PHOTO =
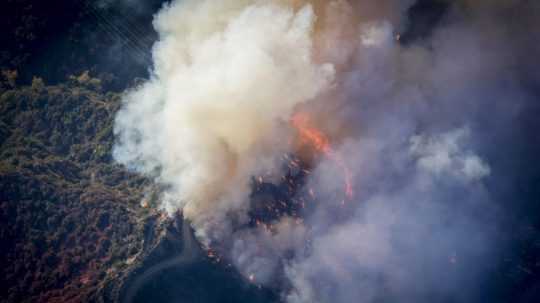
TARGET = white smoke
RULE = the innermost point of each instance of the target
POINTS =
(228, 76)
(444, 156)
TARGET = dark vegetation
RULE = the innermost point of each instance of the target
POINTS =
(71, 219)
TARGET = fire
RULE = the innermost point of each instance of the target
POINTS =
(310, 135)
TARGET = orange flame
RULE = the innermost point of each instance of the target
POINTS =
(310, 135)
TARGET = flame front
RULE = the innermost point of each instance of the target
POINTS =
(312, 136)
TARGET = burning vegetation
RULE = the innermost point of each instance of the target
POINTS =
(312, 137)
(290, 197)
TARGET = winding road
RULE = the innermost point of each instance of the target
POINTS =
(190, 251)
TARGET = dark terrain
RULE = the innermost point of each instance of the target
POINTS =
(72, 224)
(71, 219)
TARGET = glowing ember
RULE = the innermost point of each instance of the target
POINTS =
(310, 135)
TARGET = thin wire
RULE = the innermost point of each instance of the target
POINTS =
(133, 28)
(115, 31)
(134, 44)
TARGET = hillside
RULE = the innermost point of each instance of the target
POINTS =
(72, 220)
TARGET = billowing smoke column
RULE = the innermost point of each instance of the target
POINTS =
(209, 119)
(398, 204)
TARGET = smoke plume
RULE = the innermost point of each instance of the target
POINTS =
(405, 124)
